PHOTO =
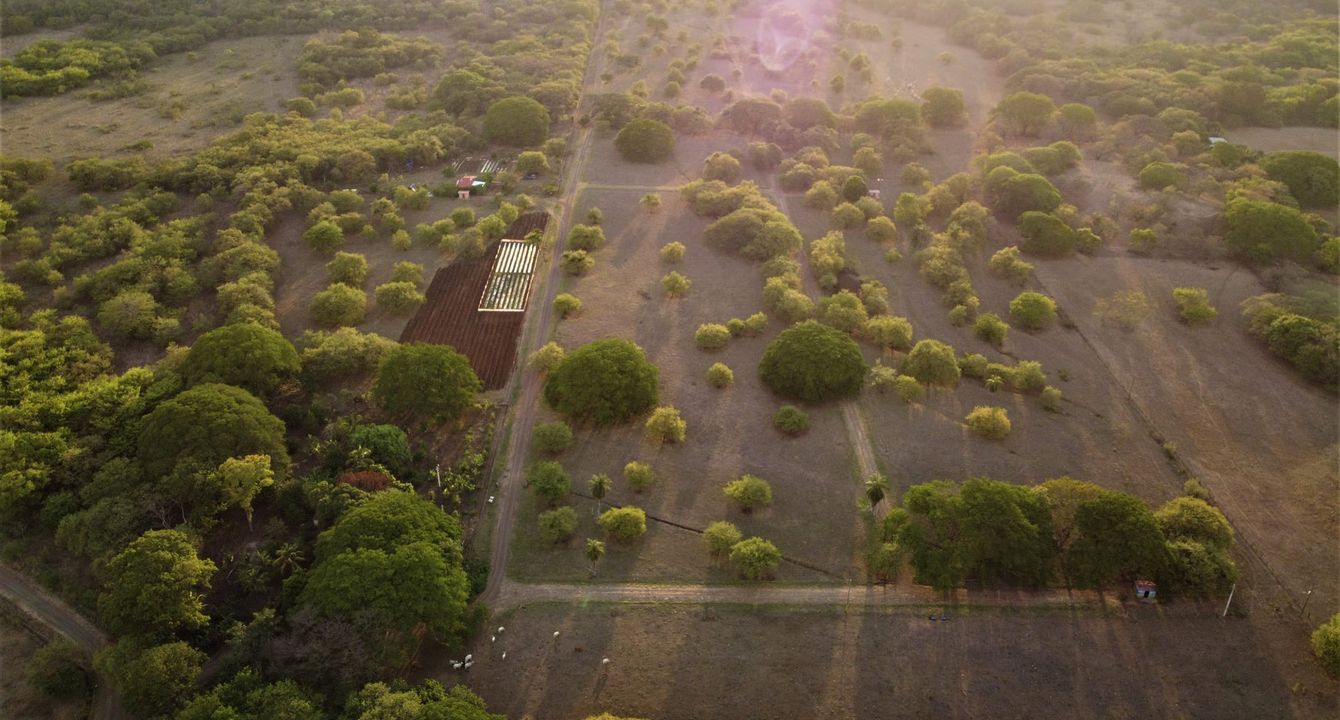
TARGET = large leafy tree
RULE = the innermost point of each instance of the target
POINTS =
(1025, 113)
(155, 586)
(426, 380)
(1313, 178)
(518, 121)
(645, 141)
(813, 362)
(1263, 231)
(429, 700)
(929, 531)
(388, 520)
(245, 354)
(755, 557)
(1006, 530)
(1118, 538)
(153, 680)
(606, 381)
(208, 424)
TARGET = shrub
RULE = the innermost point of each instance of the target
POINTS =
(549, 481)
(932, 362)
(844, 311)
(558, 525)
(711, 336)
(552, 437)
(1125, 310)
(60, 669)
(339, 305)
(638, 475)
(889, 331)
(1160, 175)
(720, 537)
(399, 297)
(1032, 311)
(567, 305)
(586, 237)
(606, 381)
(672, 252)
(546, 357)
(991, 328)
(624, 524)
(1326, 644)
(666, 426)
(1193, 304)
(723, 167)
(675, 285)
(909, 389)
(821, 196)
(1313, 179)
(1007, 263)
(749, 492)
(720, 376)
(645, 141)
(576, 262)
(813, 362)
(1050, 399)
(755, 557)
(881, 229)
(348, 268)
(791, 420)
(324, 237)
(943, 107)
(848, 217)
(1045, 234)
(1027, 376)
(990, 422)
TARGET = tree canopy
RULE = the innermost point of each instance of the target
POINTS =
(516, 121)
(645, 141)
(426, 380)
(155, 586)
(208, 424)
(813, 362)
(604, 382)
(244, 354)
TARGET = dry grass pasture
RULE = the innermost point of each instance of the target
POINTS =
(759, 663)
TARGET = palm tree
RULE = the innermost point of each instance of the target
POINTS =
(876, 487)
(595, 549)
(600, 487)
(287, 559)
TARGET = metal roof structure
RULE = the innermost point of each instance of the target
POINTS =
(508, 287)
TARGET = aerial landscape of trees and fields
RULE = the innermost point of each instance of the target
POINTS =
(669, 359)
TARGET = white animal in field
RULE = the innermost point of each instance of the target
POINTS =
(468, 658)
(493, 638)
(504, 655)
(456, 664)
(555, 634)
(606, 661)
(500, 629)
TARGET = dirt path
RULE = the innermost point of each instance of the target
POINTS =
(50, 611)
(516, 594)
(528, 398)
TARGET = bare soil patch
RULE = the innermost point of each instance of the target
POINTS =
(1322, 140)
(754, 662)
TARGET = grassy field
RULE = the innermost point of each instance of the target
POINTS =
(754, 663)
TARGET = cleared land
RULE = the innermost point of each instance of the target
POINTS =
(752, 662)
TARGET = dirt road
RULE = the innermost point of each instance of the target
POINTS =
(48, 610)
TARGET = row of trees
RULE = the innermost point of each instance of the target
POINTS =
(1003, 534)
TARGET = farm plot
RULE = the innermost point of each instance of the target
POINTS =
(813, 518)
(675, 662)
(1262, 439)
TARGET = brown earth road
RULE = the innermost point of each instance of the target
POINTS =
(34, 601)
(516, 594)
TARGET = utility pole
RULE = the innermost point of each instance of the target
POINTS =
(1230, 599)
(1306, 598)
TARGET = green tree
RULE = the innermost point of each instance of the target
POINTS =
(1326, 644)
(594, 550)
(943, 107)
(236, 483)
(152, 680)
(387, 445)
(339, 305)
(813, 362)
(1313, 179)
(59, 669)
(516, 121)
(549, 481)
(1160, 175)
(720, 537)
(638, 475)
(400, 298)
(532, 161)
(991, 423)
(553, 437)
(932, 362)
(645, 141)
(1025, 113)
(888, 331)
(389, 520)
(425, 380)
(791, 420)
(1006, 532)
(755, 558)
(558, 525)
(1189, 518)
(567, 305)
(720, 376)
(1263, 231)
(324, 237)
(600, 486)
(624, 524)
(991, 328)
(1032, 311)
(155, 586)
(206, 425)
(130, 314)
(348, 268)
(247, 355)
(1119, 538)
(666, 426)
(749, 492)
(723, 167)
(585, 237)
(605, 382)
(1045, 234)
(1193, 305)
(928, 528)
